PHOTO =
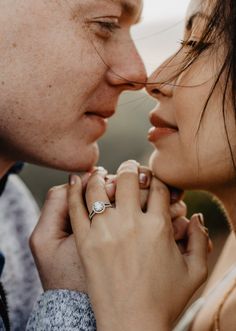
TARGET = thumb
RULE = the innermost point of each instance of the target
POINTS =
(78, 212)
(54, 216)
(197, 248)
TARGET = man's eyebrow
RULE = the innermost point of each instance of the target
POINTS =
(130, 9)
(190, 21)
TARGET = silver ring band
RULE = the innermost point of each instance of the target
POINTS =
(98, 208)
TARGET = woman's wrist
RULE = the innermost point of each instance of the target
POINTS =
(133, 322)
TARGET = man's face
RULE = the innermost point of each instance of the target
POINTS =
(63, 65)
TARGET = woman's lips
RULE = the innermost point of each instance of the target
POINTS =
(155, 134)
(161, 128)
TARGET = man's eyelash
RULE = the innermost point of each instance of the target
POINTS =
(110, 26)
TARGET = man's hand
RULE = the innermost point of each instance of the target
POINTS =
(53, 245)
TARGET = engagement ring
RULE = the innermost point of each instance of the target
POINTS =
(99, 208)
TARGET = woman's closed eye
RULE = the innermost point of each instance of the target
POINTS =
(195, 44)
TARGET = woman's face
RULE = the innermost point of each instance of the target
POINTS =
(184, 156)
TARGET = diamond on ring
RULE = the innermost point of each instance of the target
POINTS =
(98, 208)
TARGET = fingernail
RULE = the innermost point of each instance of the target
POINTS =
(201, 219)
(135, 162)
(129, 163)
(72, 179)
(110, 186)
(143, 179)
(101, 169)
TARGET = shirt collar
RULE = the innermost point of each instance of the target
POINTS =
(14, 170)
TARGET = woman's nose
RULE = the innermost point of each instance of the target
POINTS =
(161, 82)
(157, 89)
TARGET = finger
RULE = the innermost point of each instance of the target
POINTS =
(78, 213)
(54, 216)
(178, 209)
(96, 192)
(110, 185)
(175, 194)
(159, 198)
(143, 199)
(210, 243)
(84, 178)
(145, 177)
(180, 227)
(197, 247)
(127, 186)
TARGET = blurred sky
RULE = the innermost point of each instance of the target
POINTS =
(163, 9)
(160, 31)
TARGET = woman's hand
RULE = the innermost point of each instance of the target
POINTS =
(178, 209)
(137, 277)
(53, 245)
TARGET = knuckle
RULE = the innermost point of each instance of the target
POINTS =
(165, 229)
(55, 192)
(97, 247)
(159, 222)
(129, 166)
(159, 188)
(178, 209)
(95, 182)
(35, 242)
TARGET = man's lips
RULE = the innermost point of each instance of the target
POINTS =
(96, 123)
(101, 113)
(160, 128)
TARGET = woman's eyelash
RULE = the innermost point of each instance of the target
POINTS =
(197, 45)
(190, 43)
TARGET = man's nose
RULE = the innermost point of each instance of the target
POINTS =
(128, 72)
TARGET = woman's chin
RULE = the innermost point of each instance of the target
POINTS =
(168, 173)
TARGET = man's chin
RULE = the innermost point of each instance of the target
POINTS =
(83, 161)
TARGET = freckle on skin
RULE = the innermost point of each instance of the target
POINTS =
(14, 45)
(3, 83)
(50, 86)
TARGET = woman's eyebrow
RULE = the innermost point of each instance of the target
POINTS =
(190, 21)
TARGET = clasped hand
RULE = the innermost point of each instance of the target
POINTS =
(127, 258)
